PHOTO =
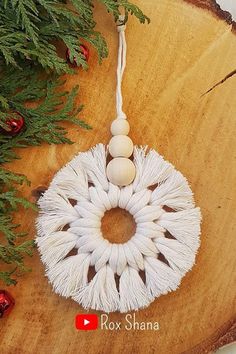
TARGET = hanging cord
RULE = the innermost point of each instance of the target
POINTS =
(120, 66)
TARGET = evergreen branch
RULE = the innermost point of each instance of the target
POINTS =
(7, 279)
(39, 22)
(26, 14)
(134, 10)
(113, 6)
(41, 121)
(30, 31)
(10, 200)
(7, 228)
(8, 178)
(4, 102)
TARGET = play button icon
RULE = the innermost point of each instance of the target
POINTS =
(86, 322)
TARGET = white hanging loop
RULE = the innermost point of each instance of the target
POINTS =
(120, 170)
(120, 66)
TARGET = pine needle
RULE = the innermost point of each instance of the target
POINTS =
(30, 66)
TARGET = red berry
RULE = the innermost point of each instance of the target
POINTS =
(6, 303)
(15, 124)
(84, 51)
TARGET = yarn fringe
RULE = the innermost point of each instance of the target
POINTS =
(151, 169)
(55, 212)
(101, 293)
(160, 279)
(94, 162)
(69, 275)
(54, 200)
(184, 226)
(178, 255)
(174, 192)
(133, 292)
(55, 247)
(72, 180)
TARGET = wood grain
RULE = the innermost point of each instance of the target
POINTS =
(171, 63)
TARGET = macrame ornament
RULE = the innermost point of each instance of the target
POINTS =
(138, 180)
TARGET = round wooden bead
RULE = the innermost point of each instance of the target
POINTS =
(121, 146)
(120, 127)
(121, 171)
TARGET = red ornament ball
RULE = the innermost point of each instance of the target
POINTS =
(15, 125)
(6, 303)
(84, 51)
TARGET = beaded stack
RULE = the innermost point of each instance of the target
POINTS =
(120, 170)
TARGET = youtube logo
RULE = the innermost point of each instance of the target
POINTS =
(86, 322)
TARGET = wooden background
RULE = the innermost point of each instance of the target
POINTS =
(171, 63)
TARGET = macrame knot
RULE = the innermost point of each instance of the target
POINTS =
(122, 115)
(71, 242)
(121, 28)
(120, 24)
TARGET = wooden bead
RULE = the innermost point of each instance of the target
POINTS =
(121, 146)
(121, 171)
(120, 127)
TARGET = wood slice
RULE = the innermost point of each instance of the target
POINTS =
(173, 105)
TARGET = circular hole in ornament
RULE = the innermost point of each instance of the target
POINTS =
(118, 225)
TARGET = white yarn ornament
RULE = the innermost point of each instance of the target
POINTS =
(162, 249)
